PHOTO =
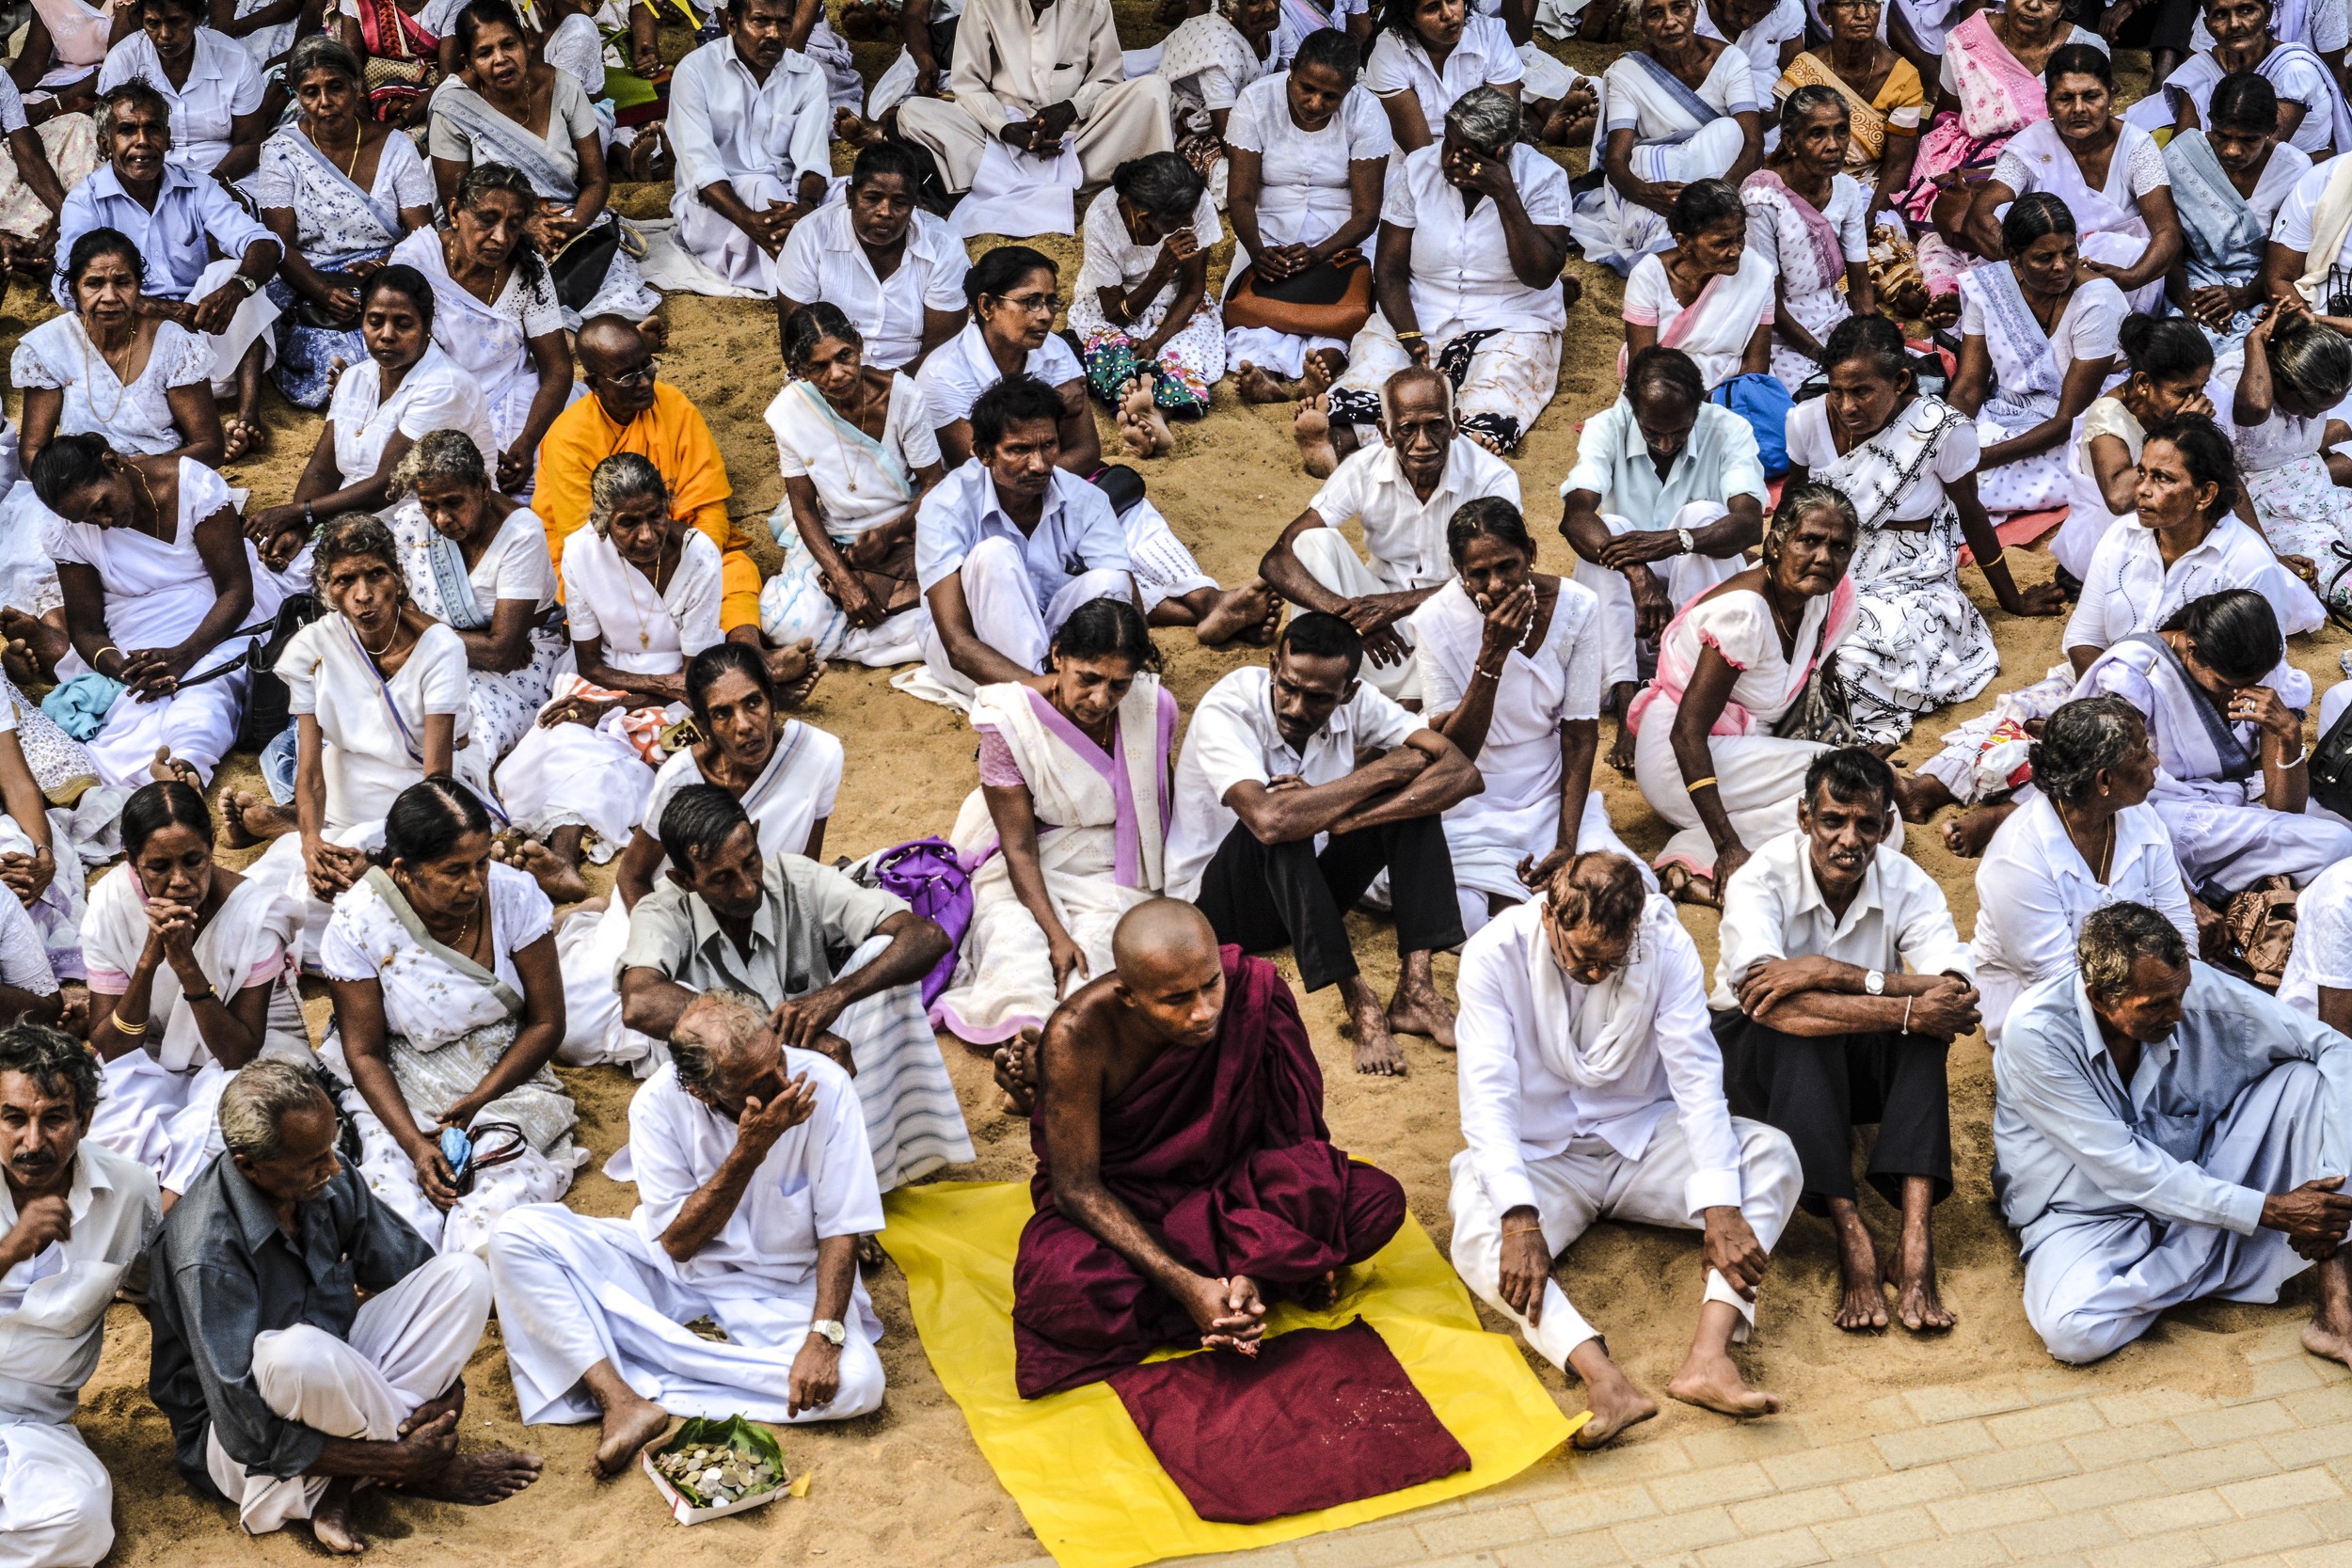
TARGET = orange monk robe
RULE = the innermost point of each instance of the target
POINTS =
(674, 436)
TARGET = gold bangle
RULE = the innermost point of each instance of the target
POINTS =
(1522, 1230)
(1693, 788)
(101, 653)
(1997, 556)
(116, 1019)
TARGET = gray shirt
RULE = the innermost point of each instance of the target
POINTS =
(224, 1273)
(2073, 1141)
(810, 919)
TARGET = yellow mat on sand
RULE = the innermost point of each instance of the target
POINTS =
(1074, 1461)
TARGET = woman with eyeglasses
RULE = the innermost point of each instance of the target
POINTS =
(1013, 294)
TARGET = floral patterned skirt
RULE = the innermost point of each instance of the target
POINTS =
(1187, 366)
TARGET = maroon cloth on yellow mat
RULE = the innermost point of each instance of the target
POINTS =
(1323, 1417)
(1221, 1152)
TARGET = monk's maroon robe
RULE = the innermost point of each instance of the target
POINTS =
(1222, 1154)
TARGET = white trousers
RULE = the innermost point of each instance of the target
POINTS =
(1002, 599)
(720, 245)
(1591, 1181)
(250, 324)
(56, 1501)
(1683, 577)
(1131, 120)
(1163, 568)
(1333, 562)
(2094, 1286)
(588, 947)
(574, 1291)
(198, 723)
(166, 1121)
(408, 1345)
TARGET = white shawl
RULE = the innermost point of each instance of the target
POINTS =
(254, 937)
(1611, 1021)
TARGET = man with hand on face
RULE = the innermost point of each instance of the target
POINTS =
(1660, 454)
(748, 121)
(1279, 827)
(1404, 491)
(1185, 1180)
(2163, 1133)
(74, 1222)
(283, 1388)
(754, 1184)
(1839, 986)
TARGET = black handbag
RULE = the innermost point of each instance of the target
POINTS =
(267, 703)
(2330, 767)
(578, 269)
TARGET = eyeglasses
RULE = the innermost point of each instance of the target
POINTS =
(1035, 305)
(644, 374)
(1580, 967)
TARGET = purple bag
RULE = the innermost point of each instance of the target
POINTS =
(932, 879)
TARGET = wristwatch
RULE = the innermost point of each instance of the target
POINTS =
(1689, 543)
(1874, 982)
(835, 1333)
(249, 285)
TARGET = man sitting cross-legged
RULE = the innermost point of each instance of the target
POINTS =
(754, 1183)
(1592, 1089)
(2163, 1133)
(283, 1388)
(1839, 986)
(1184, 1177)
(1279, 826)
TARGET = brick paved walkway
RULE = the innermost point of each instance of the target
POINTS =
(2044, 1470)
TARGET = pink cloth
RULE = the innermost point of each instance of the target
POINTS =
(1829, 256)
(1998, 98)
(1674, 670)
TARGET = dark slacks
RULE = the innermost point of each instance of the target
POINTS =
(1263, 896)
(1818, 1087)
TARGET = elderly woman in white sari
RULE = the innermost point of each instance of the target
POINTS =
(405, 389)
(2110, 175)
(1207, 61)
(1679, 107)
(1712, 297)
(1473, 235)
(495, 311)
(191, 976)
(478, 562)
(1807, 222)
(448, 1009)
(2311, 114)
(338, 190)
(1511, 664)
(858, 454)
(642, 591)
(149, 552)
(1908, 463)
(2037, 342)
(1068, 827)
(484, 115)
(2229, 181)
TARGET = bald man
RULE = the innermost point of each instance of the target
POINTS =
(1184, 1177)
(754, 1183)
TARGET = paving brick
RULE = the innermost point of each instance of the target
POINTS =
(2272, 1533)
(2071, 1533)
(1471, 1533)
(1980, 1550)
(1890, 1413)
(1902, 1489)
(2098, 1451)
(2151, 1404)
(1877, 1533)
(2213, 1466)
(2333, 1519)
(2048, 1423)
(2015, 1466)
(1990, 1509)
(2279, 1343)
(1904, 1451)
(1788, 1548)
(2325, 1404)
(2169, 1551)
(1269, 1557)
(2293, 1489)
(2175, 1512)
(1726, 1483)
(1825, 1466)
(2308, 1445)
(1598, 1549)
(2277, 1379)
(1599, 1509)
(2314, 1556)
(1632, 1462)
(2213, 1428)
(1936, 1405)
(1790, 1510)
(2102, 1489)
(2063, 1560)
(1747, 1442)
(1378, 1548)
(1677, 1533)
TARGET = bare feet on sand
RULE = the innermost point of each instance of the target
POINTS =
(1912, 1272)
(331, 1520)
(1711, 1380)
(166, 768)
(34, 646)
(1250, 614)
(1616, 1403)
(1311, 428)
(1376, 1051)
(851, 127)
(1967, 834)
(1418, 1009)
(478, 1479)
(1141, 424)
(630, 1424)
(1324, 367)
(1920, 798)
(795, 668)
(561, 884)
(2330, 1332)
(1257, 384)
(1863, 1309)
(248, 817)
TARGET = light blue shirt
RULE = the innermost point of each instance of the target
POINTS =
(188, 207)
(1077, 532)
(1719, 461)
(2072, 1141)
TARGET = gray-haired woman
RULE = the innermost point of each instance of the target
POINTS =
(641, 589)
(478, 561)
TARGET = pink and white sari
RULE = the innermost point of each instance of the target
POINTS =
(1998, 98)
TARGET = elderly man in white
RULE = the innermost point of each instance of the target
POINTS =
(1403, 492)
(1592, 1089)
(749, 122)
(2163, 1134)
(77, 1218)
(754, 1183)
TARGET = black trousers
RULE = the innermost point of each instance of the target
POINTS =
(1818, 1087)
(1261, 896)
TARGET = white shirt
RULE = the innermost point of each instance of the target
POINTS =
(816, 1182)
(53, 1305)
(1762, 43)
(367, 757)
(1303, 195)
(2292, 228)
(2127, 588)
(1113, 260)
(691, 602)
(2034, 891)
(2086, 328)
(515, 565)
(1076, 531)
(726, 123)
(953, 378)
(1462, 276)
(1772, 909)
(822, 260)
(1649, 301)
(1404, 534)
(1485, 56)
(434, 395)
(223, 83)
(1234, 739)
(2323, 940)
(1517, 1108)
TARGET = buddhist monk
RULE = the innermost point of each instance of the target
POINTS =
(1184, 1177)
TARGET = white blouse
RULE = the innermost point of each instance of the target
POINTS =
(331, 223)
(2086, 328)
(822, 260)
(371, 730)
(2135, 167)
(1813, 446)
(515, 565)
(434, 395)
(1462, 276)
(691, 603)
(1485, 56)
(1115, 261)
(1303, 196)
(953, 378)
(1738, 624)
(831, 460)
(57, 354)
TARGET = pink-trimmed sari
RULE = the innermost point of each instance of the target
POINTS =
(1998, 98)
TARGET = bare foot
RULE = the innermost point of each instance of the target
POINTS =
(478, 1479)
(1324, 367)
(330, 1521)
(1685, 886)
(1918, 796)
(791, 664)
(1376, 1052)
(1621, 753)
(1967, 834)
(628, 1425)
(1711, 1380)
(1864, 1306)
(853, 128)
(166, 768)
(1134, 409)
(561, 884)
(1257, 384)
(1917, 1306)
(1418, 1009)
(1016, 1072)
(1154, 424)
(2329, 1340)
(30, 637)
(1616, 1403)
(1311, 427)
(16, 658)
(1238, 613)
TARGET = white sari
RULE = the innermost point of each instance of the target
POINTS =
(1101, 823)
(1809, 250)
(2107, 220)
(2029, 369)
(157, 1105)
(1678, 136)
(503, 702)
(487, 342)
(861, 483)
(448, 1021)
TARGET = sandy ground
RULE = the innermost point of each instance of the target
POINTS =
(907, 1485)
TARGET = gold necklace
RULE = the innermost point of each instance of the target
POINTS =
(359, 137)
(387, 649)
(843, 447)
(122, 383)
(644, 620)
(150, 491)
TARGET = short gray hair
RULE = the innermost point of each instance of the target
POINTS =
(1486, 118)
(440, 455)
(622, 477)
(322, 52)
(260, 1098)
(2114, 939)
(136, 90)
(1408, 374)
(697, 1064)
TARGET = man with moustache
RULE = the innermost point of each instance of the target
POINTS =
(76, 1218)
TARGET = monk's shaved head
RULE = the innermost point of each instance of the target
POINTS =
(1169, 969)
(609, 342)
